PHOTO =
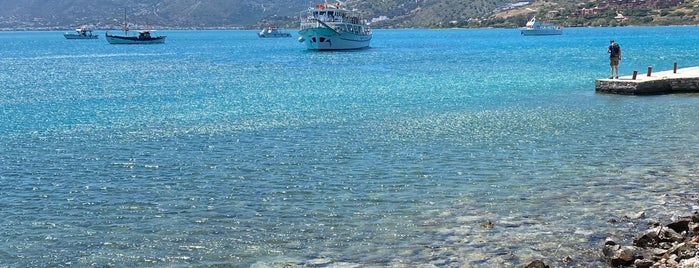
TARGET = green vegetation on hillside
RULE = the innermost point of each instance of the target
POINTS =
(494, 13)
(255, 14)
(594, 13)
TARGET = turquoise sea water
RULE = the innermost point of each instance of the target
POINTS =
(219, 148)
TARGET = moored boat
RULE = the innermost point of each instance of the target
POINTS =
(535, 27)
(81, 33)
(144, 37)
(333, 27)
(273, 31)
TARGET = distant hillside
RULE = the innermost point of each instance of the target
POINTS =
(598, 13)
(186, 14)
(106, 14)
(226, 14)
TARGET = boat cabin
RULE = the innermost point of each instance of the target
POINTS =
(83, 31)
(329, 15)
(144, 35)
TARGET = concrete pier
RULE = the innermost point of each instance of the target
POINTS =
(685, 80)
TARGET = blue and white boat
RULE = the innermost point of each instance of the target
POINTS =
(272, 31)
(81, 33)
(333, 27)
(535, 27)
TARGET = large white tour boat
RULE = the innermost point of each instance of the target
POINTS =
(333, 27)
(535, 27)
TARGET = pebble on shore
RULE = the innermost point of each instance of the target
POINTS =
(673, 245)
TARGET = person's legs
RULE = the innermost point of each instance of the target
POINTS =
(611, 71)
(614, 66)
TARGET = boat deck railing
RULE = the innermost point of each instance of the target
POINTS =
(338, 27)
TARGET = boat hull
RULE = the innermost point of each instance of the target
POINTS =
(131, 40)
(530, 32)
(273, 35)
(79, 36)
(323, 38)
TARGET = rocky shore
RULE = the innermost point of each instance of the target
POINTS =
(672, 245)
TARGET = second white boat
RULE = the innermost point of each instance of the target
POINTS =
(535, 27)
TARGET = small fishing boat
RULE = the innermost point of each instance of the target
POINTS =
(333, 27)
(535, 27)
(144, 37)
(273, 31)
(81, 33)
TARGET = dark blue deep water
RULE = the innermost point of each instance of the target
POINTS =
(219, 148)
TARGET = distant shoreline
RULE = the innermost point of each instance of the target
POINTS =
(253, 28)
(154, 29)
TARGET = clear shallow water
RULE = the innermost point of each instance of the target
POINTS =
(220, 148)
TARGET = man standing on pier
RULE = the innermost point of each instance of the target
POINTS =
(614, 57)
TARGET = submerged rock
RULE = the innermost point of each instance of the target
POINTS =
(487, 224)
(535, 264)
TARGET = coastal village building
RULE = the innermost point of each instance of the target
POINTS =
(643, 3)
(627, 4)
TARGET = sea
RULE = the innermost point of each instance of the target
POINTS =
(431, 148)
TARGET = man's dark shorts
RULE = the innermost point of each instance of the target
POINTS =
(614, 61)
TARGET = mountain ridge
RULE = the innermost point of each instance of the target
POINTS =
(254, 14)
(195, 14)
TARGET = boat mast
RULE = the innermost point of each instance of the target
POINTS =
(126, 24)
